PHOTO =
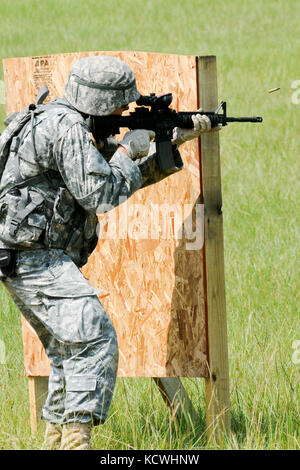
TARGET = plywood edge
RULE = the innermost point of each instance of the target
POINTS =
(60, 54)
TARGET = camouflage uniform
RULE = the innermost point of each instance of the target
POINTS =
(78, 336)
(56, 231)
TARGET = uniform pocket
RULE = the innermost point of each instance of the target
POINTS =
(60, 226)
(37, 220)
(81, 383)
(23, 223)
(75, 314)
(47, 262)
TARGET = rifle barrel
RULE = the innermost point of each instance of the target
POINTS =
(244, 119)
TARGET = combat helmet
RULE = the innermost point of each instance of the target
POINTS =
(98, 85)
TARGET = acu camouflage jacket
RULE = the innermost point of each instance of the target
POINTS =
(74, 182)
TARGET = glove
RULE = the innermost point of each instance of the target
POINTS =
(202, 124)
(137, 142)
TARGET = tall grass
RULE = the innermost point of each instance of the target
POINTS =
(257, 44)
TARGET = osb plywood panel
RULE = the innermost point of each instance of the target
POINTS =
(153, 286)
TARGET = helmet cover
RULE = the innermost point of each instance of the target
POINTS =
(98, 85)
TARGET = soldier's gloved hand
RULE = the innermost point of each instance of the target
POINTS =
(137, 142)
(202, 124)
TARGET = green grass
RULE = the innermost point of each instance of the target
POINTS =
(257, 45)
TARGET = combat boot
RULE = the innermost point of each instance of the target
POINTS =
(52, 437)
(76, 436)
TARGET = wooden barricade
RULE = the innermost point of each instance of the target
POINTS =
(164, 290)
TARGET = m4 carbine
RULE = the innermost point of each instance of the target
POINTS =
(161, 119)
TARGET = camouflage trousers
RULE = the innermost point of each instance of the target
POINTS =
(78, 336)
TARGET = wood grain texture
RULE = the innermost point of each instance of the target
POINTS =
(217, 385)
(153, 286)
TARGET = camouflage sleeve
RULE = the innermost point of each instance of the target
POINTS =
(150, 170)
(148, 165)
(96, 184)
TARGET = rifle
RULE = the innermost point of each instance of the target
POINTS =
(162, 120)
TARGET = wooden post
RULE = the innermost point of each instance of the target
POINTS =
(176, 397)
(38, 389)
(217, 385)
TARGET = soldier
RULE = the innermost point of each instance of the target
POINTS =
(56, 179)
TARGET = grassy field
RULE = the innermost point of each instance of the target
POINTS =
(257, 44)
